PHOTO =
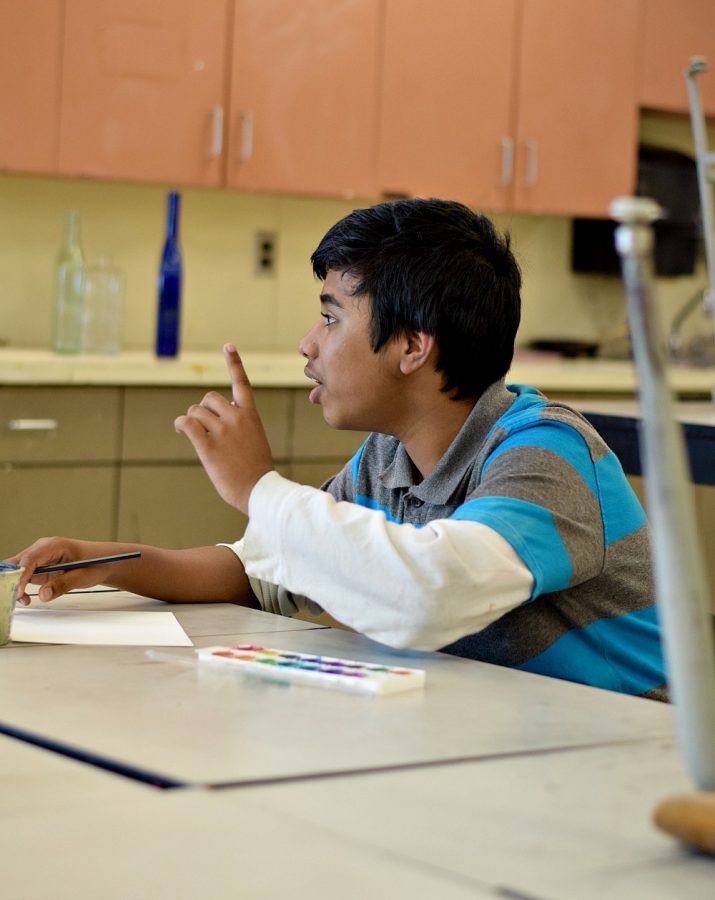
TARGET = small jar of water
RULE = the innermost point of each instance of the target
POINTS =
(102, 307)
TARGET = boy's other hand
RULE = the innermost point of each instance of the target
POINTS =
(228, 436)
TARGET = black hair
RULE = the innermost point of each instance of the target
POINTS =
(437, 267)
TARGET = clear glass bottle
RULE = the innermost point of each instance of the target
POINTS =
(69, 282)
(102, 314)
(170, 277)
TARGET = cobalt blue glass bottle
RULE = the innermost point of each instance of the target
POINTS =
(170, 272)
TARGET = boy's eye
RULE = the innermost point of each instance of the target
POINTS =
(328, 318)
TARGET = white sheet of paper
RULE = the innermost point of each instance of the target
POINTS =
(87, 626)
(99, 598)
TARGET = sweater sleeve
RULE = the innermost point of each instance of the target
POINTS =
(405, 586)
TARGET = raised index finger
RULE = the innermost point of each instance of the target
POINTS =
(240, 385)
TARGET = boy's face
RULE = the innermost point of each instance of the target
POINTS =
(357, 388)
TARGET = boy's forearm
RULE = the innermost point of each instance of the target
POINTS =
(189, 576)
(198, 574)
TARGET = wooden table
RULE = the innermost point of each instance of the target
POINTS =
(490, 782)
(560, 825)
(176, 722)
(565, 825)
(74, 832)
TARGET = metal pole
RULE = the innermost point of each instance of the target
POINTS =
(704, 162)
(681, 587)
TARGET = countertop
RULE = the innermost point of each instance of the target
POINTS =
(545, 371)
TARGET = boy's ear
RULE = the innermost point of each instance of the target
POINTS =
(416, 350)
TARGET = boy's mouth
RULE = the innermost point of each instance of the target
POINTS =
(315, 392)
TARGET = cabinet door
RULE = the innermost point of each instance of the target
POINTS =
(577, 109)
(672, 33)
(704, 501)
(446, 93)
(143, 89)
(303, 96)
(704, 506)
(29, 84)
(174, 506)
(314, 441)
(76, 501)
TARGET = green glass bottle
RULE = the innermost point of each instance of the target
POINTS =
(69, 286)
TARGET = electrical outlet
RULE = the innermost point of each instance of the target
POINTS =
(265, 252)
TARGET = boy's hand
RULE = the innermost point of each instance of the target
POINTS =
(228, 436)
(53, 551)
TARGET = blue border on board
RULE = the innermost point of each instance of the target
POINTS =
(621, 433)
(93, 759)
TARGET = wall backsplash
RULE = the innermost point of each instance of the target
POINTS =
(224, 299)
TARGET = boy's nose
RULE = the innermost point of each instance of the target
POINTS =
(308, 346)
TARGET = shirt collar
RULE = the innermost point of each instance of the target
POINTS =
(446, 476)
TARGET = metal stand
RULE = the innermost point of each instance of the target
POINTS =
(681, 586)
(705, 162)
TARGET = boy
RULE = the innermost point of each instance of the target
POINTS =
(476, 518)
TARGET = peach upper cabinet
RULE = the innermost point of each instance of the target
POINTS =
(143, 89)
(671, 36)
(31, 35)
(526, 105)
(446, 101)
(577, 106)
(304, 88)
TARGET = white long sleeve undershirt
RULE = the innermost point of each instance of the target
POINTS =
(399, 584)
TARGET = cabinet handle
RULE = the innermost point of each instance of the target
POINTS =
(216, 132)
(532, 163)
(246, 136)
(507, 161)
(32, 425)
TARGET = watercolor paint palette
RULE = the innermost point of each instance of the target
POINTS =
(318, 671)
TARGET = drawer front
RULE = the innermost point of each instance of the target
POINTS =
(64, 424)
(74, 502)
(149, 415)
(313, 439)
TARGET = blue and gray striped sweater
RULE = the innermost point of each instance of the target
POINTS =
(537, 473)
